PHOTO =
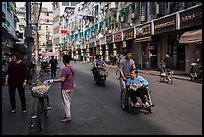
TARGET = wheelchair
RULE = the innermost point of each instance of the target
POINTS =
(127, 104)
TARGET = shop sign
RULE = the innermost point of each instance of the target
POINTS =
(102, 41)
(92, 44)
(128, 34)
(192, 17)
(165, 24)
(109, 39)
(143, 31)
(117, 37)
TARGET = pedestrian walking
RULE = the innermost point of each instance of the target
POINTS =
(17, 77)
(126, 64)
(67, 86)
(54, 64)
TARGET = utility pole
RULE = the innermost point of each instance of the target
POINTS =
(37, 16)
(36, 19)
(28, 33)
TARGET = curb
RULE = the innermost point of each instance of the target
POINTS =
(174, 76)
(150, 73)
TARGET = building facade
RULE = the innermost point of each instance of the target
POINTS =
(9, 19)
(59, 27)
(45, 30)
(148, 29)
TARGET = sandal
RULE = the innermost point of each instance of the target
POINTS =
(147, 104)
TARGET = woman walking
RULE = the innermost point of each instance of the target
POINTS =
(17, 77)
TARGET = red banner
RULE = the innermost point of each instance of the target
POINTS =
(64, 31)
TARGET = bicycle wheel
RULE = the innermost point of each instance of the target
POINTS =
(46, 109)
(117, 73)
(41, 113)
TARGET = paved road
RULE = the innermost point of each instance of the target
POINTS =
(97, 111)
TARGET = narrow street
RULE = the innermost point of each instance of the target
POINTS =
(97, 111)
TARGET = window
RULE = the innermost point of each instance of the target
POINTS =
(65, 3)
(47, 13)
(48, 20)
(39, 27)
(46, 27)
(73, 3)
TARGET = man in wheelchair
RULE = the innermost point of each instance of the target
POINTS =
(136, 87)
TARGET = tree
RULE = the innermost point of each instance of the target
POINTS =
(21, 48)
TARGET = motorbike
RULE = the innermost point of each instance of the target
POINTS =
(127, 104)
(195, 75)
(3, 76)
(165, 74)
(100, 75)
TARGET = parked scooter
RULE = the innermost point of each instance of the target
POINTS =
(195, 74)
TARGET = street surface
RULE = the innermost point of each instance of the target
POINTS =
(96, 110)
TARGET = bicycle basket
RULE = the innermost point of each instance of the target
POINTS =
(40, 91)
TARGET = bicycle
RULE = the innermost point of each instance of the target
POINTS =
(40, 91)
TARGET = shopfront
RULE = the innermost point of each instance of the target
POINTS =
(92, 50)
(166, 39)
(109, 49)
(148, 56)
(97, 47)
(102, 49)
(191, 34)
(117, 39)
(128, 37)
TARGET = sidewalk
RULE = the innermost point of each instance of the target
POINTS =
(153, 72)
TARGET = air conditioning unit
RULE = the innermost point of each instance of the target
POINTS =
(142, 18)
(112, 6)
(121, 19)
(133, 15)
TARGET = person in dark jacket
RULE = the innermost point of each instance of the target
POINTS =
(17, 77)
(53, 63)
(169, 62)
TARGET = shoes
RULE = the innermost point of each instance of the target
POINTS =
(137, 104)
(147, 104)
(13, 111)
(23, 112)
(66, 119)
(48, 108)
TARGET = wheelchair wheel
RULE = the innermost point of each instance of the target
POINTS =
(124, 100)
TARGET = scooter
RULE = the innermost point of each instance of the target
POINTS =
(165, 74)
(100, 75)
(195, 75)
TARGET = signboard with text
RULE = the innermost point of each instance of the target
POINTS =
(109, 39)
(143, 31)
(192, 17)
(165, 24)
(128, 34)
(117, 37)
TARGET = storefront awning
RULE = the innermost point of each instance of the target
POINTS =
(193, 36)
(144, 39)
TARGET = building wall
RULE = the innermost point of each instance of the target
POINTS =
(46, 28)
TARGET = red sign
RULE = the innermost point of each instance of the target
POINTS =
(117, 37)
(64, 31)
